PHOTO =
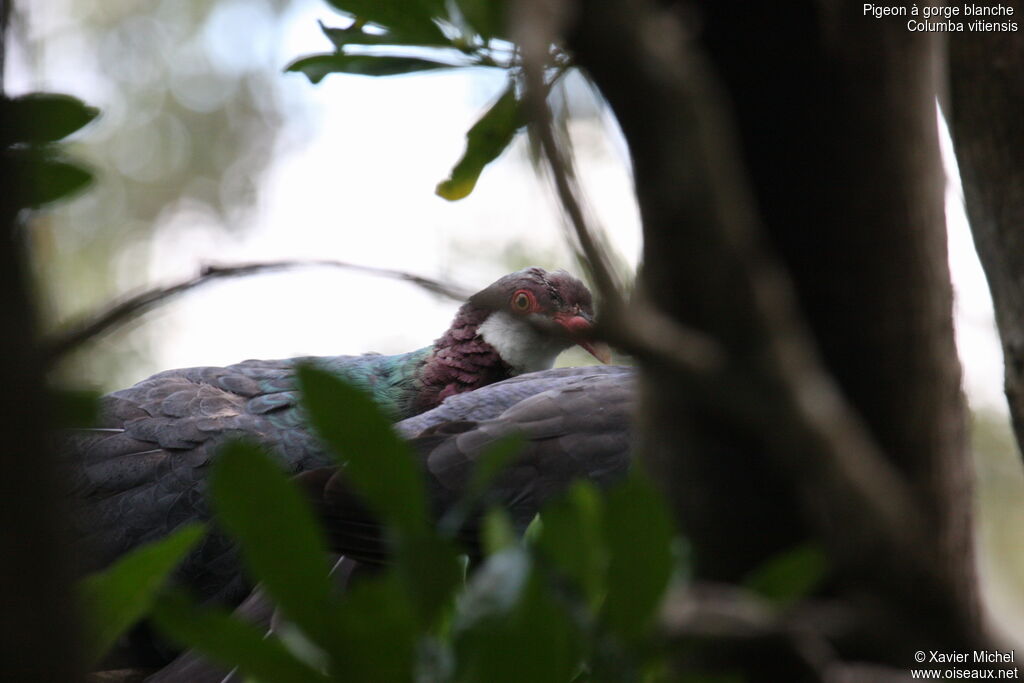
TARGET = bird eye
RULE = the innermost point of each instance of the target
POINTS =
(522, 301)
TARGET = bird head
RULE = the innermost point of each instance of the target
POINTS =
(535, 315)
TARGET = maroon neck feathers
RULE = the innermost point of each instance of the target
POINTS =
(461, 361)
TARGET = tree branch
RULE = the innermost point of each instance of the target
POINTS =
(821, 442)
(860, 413)
(130, 308)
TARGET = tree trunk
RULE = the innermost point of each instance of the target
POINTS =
(987, 112)
(836, 114)
(37, 634)
(834, 119)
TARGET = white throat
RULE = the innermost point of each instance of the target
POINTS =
(521, 345)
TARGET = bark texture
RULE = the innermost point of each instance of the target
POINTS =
(986, 109)
(836, 116)
(37, 633)
(825, 159)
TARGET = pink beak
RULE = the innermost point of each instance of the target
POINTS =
(579, 329)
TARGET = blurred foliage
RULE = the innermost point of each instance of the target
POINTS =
(76, 407)
(31, 128)
(577, 602)
(789, 576)
(117, 597)
(193, 106)
(485, 141)
(395, 38)
(192, 101)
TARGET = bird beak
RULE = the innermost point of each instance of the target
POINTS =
(579, 329)
(598, 350)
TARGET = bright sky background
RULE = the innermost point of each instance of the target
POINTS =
(353, 179)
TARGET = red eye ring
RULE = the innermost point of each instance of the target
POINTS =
(523, 301)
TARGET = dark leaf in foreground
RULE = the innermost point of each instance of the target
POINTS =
(231, 642)
(317, 67)
(39, 118)
(76, 407)
(571, 539)
(638, 532)
(789, 576)
(48, 176)
(344, 37)
(376, 461)
(382, 468)
(411, 20)
(497, 533)
(379, 631)
(279, 537)
(512, 628)
(430, 567)
(485, 141)
(117, 597)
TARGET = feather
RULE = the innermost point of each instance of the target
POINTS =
(578, 429)
(143, 472)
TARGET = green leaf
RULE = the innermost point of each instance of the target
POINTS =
(497, 532)
(533, 530)
(120, 595)
(571, 538)
(317, 67)
(511, 628)
(487, 17)
(385, 473)
(280, 540)
(485, 141)
(431, 570)
(355, 35)
(494, 589)
(789, 576)
(39, 118)
(410, 19)
(377, 462)
(229, 641)
(379, 631)
(76, 407)
(638, 531)
(46, 176)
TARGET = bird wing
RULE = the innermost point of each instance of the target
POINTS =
(142, 472)
(576, 422)
(491, 401)
(578, 429)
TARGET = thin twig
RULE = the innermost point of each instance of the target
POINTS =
(646, 334)
(536, 55)
(133, 306)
